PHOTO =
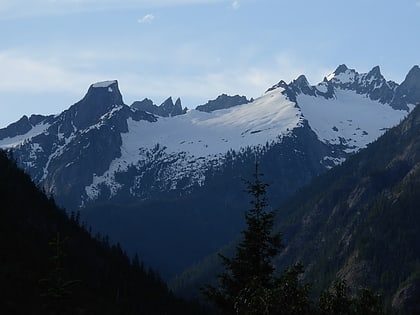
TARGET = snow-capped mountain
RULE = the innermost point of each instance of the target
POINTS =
(167, 182)
(100, 147)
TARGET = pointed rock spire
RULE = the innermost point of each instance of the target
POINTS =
(100, 99)
(409, 90)
(341, 69)
(375, 72)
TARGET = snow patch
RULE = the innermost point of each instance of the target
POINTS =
(8, 143)
(348, 119)
(104, 84)
(322, 87)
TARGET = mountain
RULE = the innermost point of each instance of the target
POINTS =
(166, 109)
(223, 101)
(357, 222)
(51, 265)
(144, 173)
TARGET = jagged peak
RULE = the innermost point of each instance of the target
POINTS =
(412, 80)
(281, 84)
(375, 72)
(342, 75)
(301, 80)
(409, 90)
(413, 73)
(341, 69)
(100, 99)
(168, 100)
(166, 109)
(223, 101)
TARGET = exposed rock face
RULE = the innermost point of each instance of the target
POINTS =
(166, 109)
(63, 152)
(100, 99)
(222, 102)
(409, 91)
(23, 126)
(407, 297)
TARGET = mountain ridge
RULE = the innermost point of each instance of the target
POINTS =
(103, 152)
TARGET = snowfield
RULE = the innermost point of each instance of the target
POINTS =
(180, 149)
(349, 118)
(193, 140)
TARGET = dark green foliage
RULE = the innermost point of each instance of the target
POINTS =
(292, 297)
(49, 264)
(56, 289)
(249, 285)
(360, 220)
(338, 302)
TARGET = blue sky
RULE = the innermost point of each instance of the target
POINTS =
(52, 50)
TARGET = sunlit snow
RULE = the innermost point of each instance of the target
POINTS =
(104, 84)
(202, 134)
(355, 119)
(347, 76)
(199, 137)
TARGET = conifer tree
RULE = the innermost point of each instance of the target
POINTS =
(56, 288)
(338, 302)
(248, 283)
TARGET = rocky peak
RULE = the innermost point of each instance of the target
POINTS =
(411, 84)
(106, 93)
(23, 125)
(409, 90)
(375, 73)
(167, 105)
(341, 69)
(178, 106)
(343, 76)
(144, 105)
(301, 85)
(100, 99)
(20, 127)
(281, 84)
(222, 102)
(301, 81)
(166, 109)
(375, 86)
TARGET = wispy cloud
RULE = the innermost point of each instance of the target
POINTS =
(10, 9)
(147, 19)
(236, 5)
(37, 75)
(418, 4)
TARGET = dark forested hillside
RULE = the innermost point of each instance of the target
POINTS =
(359, 222)
(51, 265)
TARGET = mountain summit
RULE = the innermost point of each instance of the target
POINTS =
(101, 98)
